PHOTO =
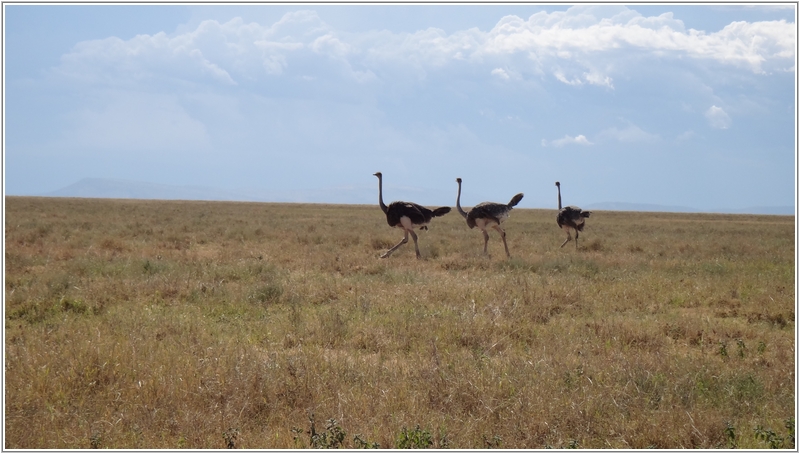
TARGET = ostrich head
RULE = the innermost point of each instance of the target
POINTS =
(378, 174)
(458, 180)
(558, 184)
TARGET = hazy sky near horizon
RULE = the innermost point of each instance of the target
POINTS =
(682, 105)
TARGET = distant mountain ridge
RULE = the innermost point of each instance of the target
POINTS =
(107, 188)
(624, 206)
(129, 189)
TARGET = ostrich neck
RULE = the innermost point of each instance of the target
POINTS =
(380, 195)
(458, 202)
(559, 197)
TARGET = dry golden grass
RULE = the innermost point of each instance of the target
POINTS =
(161, 324)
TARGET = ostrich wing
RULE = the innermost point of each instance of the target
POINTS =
(570, 215)
(490, 211)
(418, 214)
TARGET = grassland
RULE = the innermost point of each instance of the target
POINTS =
(165, 324)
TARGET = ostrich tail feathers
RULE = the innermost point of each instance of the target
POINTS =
(515, 200)
(441, 211)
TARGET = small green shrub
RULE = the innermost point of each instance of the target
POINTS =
(332, 438)
(360, 443)
(230, 437)
(773, 440)
(730, 433)
(414, 439)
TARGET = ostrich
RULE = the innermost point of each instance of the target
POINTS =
(570, 217)
(488, 214)
(406, 216)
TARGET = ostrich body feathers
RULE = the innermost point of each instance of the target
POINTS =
(491, 212)
(572, 216)
(418, 215)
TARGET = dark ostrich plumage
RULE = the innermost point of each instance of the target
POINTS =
(406, 216)
(488, 214)
(573, 217)
(496, 212)
(570, 218)
(418, 214)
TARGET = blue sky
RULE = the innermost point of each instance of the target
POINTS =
(680, 105)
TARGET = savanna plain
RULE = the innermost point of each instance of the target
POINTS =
(176, 324)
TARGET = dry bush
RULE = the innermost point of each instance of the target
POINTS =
(164, 324)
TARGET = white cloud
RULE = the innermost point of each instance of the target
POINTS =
(274, 64)
(576, 35)
(749, 44)
(595, 78)
(567, 140)
(562, 78)
(717, 118)
(213, 52)
(629, 134)
(331, 45)
(592, 78)
(500, 73)
(580, 44)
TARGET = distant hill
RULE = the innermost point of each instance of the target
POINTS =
(105, 188)
(128, 189)
(623, 206)
(781, 210)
